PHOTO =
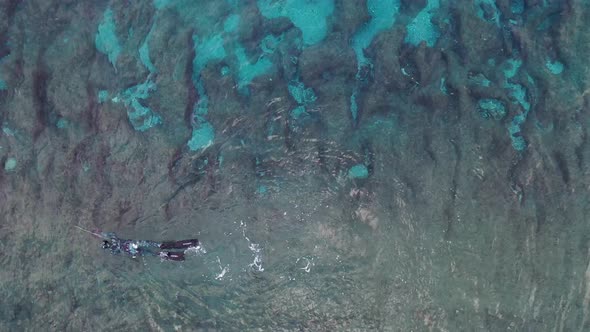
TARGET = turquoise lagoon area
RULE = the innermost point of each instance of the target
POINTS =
(374, 165)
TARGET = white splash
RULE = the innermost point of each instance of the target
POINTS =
(256, 250)
(223, 269)
(307, 267)
(198, 250)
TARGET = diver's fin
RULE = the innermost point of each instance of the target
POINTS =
(183, 244)
(172, 255)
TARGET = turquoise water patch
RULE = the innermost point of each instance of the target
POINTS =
(443, 86)
(513, 65)
(548, 22)
(62, 124)
(518, 142)
(141, 117)
(144, 56)
(206, 50)
(231, 23)
(519, 94)
(202, 106)
(144, 53)
(555, 67)
(421, 28)
(354, 109)
(225, 71)
(359, 171)
(270, 43)
(516, 91)
(308, 16)
(517, 7)
(159, 4)
(298, 112)
(103, 96)
(202, 137)
(106, 40)
(481, 80)
(10, 164)
(487, 10)
(3, 84)
(261, 190)
(248, 71)
(301, 94)
(383, 14)
(140, 91)
(492, 108)
(9, 132)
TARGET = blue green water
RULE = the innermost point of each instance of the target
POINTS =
(346, 165)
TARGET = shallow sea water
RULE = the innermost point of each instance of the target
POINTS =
(378, 165)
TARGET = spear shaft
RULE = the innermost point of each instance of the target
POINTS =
(89, 232)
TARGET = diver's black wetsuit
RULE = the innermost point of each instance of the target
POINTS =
(142, 247)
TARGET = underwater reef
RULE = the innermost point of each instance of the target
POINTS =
(405, 165)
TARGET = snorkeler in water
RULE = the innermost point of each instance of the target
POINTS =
(144, 247)
(136, 248)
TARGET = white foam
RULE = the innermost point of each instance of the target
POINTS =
(256, 250)
(223, 269)
(197, 250)
(308, 265)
